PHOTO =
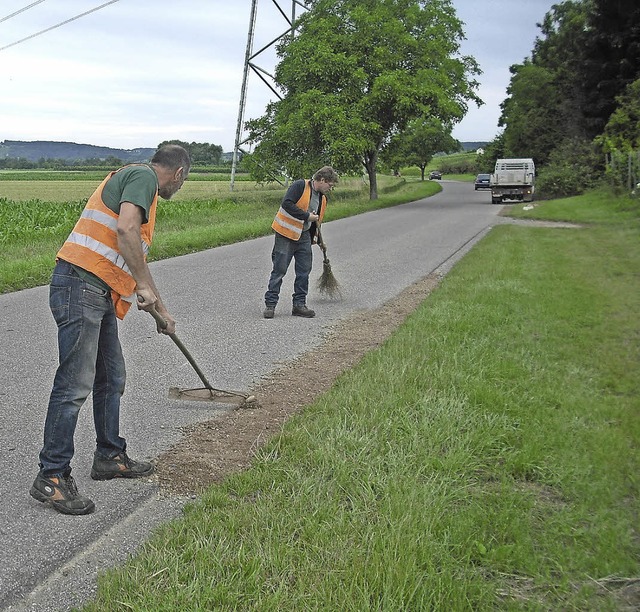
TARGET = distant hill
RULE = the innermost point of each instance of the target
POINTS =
(70, 151)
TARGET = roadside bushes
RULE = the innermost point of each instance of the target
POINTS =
(574, 166)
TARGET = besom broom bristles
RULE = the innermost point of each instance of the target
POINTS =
(327, 283)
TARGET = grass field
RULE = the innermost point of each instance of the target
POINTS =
(485, 457)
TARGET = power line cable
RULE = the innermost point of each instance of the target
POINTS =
(22, 10)
(93, 10)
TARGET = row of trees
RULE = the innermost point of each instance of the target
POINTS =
(369, 82)
(577, 97)
(50, 163)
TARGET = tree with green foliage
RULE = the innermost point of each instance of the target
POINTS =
(622, 132)
(621, 139)
(532, 114)
(544, 98)
(418, 143)
(610, 58)
(356, 73)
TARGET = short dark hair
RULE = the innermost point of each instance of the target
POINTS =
(326, 173)
(172, 156)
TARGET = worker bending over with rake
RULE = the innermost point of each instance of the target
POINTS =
(300, 214)
(100, 271)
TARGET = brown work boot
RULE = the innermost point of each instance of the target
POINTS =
(120, 466)
(61, 492)
(300, 310)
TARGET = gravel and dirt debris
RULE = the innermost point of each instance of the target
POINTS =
(211, 450)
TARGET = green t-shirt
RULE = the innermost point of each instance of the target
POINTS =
(136, 184)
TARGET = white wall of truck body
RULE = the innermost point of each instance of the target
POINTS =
(513, 179)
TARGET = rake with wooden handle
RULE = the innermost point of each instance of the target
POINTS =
(207, 393)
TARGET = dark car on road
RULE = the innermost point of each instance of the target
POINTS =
(435, 174)
(482, 181)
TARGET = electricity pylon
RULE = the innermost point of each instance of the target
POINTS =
(264, 75)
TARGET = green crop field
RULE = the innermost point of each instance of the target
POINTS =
(37, 215)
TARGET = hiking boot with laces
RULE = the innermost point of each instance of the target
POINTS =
(269, 312)
(120, 466)
(61, 492)
(301, 310)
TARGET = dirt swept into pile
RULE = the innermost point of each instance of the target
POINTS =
(210, 451)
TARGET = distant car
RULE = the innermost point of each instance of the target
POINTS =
(435, 174)
(482, 182)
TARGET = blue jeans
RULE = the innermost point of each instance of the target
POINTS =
(90, 361)
(284, 250)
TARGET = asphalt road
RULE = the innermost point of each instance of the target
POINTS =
(49, 561)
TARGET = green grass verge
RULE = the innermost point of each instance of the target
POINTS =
(484, 458)
(599, 206)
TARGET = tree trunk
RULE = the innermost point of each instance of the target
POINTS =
(370, 163)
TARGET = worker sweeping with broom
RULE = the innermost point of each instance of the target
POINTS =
(296, 225)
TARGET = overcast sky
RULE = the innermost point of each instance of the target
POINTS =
(133, 73)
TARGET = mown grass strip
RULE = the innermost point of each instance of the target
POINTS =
(485, 457)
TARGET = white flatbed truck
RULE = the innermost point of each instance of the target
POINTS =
(513, 179)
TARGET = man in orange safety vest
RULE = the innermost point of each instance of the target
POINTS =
(100, 270)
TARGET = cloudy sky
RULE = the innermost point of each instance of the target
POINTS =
(131, 74)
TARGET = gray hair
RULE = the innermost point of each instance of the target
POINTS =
(173, 156)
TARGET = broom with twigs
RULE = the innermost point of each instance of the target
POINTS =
(327, 283)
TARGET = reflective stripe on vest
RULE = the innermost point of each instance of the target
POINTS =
(93, 246)
(106, 250)
(290, 227)
(287, 225)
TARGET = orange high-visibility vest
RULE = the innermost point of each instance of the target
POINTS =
(289, 226)
(93, 246)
